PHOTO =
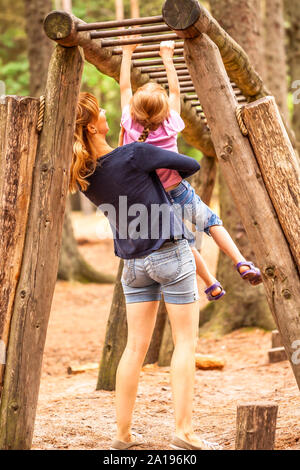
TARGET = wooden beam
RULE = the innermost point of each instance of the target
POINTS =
(279, 166)
(244, 178)
(38, 272)
(256, 426)
(19, 140)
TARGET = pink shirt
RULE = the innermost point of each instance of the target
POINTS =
(165, 136)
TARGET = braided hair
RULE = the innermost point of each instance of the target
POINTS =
(144, 135)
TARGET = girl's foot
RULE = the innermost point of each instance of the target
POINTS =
(249, 272)
(215, 291)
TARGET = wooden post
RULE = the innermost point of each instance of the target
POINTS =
(167, 346)
(277, 355)
(41, 251)
(156, 341)
(243, 176)
(19, 139)
(256, 426)
(278, 164)
(115, 338)
(276, 339)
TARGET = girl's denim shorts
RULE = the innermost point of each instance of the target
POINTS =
(191, 207)
(170, 271)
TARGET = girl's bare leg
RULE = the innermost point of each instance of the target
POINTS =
(141, 319)
(227, 245)
(204, 273)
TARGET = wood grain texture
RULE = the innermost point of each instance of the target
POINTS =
(41, 251)
(243, 176)
(256, 426)
(115, 337)
(18, 150)
(279, 166)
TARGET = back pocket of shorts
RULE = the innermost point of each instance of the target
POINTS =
(166, 269)
(128, 274)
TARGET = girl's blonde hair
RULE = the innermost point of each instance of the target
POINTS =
(150, 107)
(84, 156)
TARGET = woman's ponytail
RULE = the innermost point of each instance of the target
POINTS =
(84, 160)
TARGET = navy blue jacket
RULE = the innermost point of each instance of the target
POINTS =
(127, 189)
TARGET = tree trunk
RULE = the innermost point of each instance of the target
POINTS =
(292, 11)
(38, 272)
(72, 265)
(275, 55)
(119, 10)
(39, 46)
(243, 305)
(134, 8)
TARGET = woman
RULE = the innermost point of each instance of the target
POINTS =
(151, 239)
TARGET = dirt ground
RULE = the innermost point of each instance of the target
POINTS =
(72, 415)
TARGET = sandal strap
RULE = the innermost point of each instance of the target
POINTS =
(211, 288)
(244, 263)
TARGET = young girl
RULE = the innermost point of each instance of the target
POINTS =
(151, 116)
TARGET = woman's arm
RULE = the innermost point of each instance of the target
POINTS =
(125, 74)
(167, 52)
(149, 158)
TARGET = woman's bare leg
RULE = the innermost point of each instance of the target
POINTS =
(184, 322)
(141, 319)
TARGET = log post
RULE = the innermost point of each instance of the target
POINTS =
(276, 339)
(256, 426)
(115, 338)
(243, 176)
(41, 251)
(279, 165)
(19, 140)
(167, 346)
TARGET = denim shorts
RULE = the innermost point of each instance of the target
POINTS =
(170, 271)
(190, 207)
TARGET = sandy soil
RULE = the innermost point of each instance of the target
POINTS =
(72, 415)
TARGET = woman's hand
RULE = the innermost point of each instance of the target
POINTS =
(167, 49)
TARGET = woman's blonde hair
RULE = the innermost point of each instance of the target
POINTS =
(150, 106)
(84, 157)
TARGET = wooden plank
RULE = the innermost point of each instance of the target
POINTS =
(19, 139)
(41, 251)
(256, 426)
(243, 176)
(279, 165)
(277, 355)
